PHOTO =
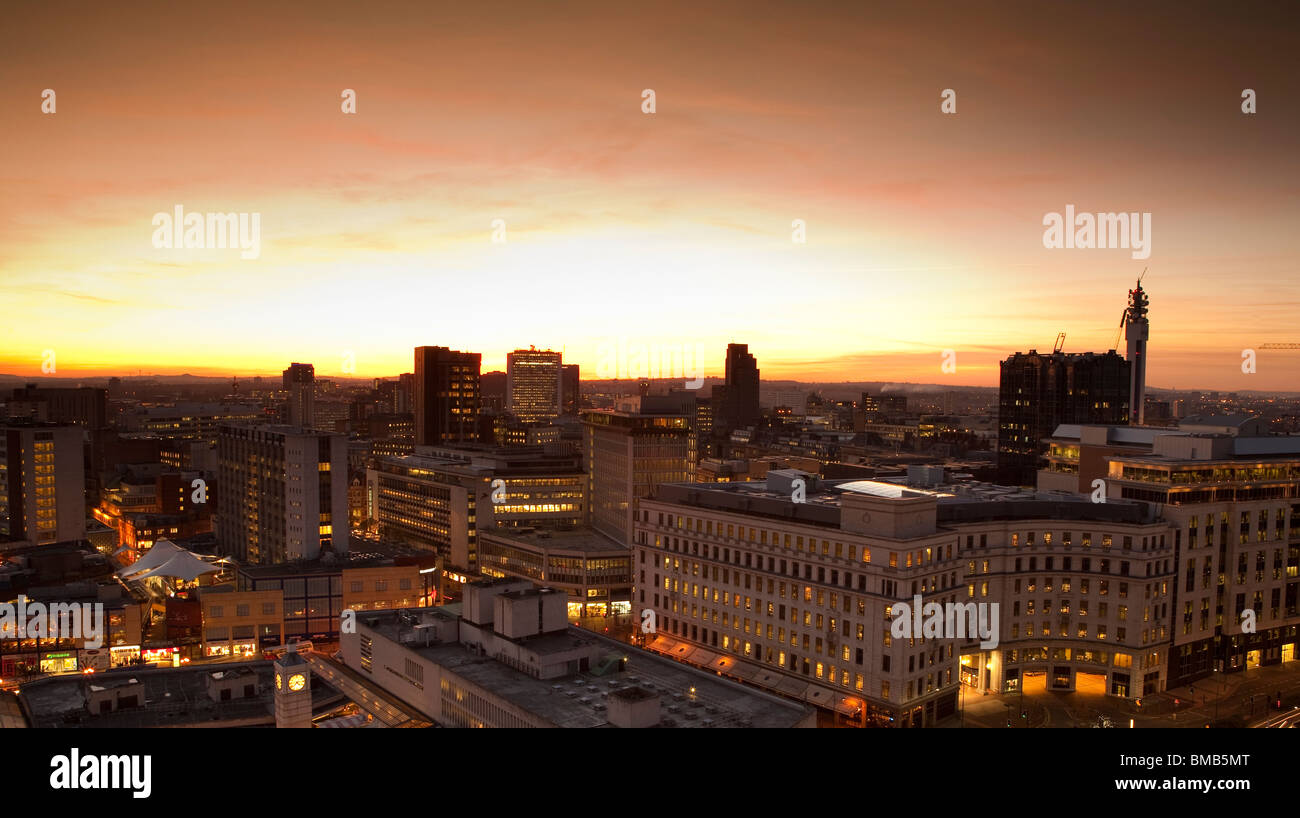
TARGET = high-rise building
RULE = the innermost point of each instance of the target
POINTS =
(85, 406)
(740, 395)
(492, 391)
(876, 407)
(189, 421)
(447, 399)
(406, 386)
(571, 402)
(1136, 330)
(438, 501)
(1039, 392)
(282, 493)
(628, 455)
(705, 445)
(534, 384)
(42, 483)
(300, 383)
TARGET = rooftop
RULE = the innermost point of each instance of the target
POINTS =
(691, 698)
(575, 539)
(170, 697)
(375, 554)
(956, 502)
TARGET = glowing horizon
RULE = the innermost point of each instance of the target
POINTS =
(924, 230)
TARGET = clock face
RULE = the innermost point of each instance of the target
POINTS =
(296, 681)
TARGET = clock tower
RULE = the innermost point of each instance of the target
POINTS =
(292, 691)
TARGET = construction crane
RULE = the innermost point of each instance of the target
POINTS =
(1279, 346)
(1060, 343)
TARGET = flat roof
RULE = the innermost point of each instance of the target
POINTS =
(956, 503)
(170, 697)
(1123, 435)
(576, 539)
(579, 700)
(374, 555)
(888, 491)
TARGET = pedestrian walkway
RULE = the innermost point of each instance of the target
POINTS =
(1233, 699)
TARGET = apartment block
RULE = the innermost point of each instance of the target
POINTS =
(42, 483)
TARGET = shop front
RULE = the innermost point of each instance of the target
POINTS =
(63, 662)
(124, 655)
(19, 665)
(238, 650)
(160, 656)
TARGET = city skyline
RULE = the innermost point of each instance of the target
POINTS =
(577, 365)
(924, 231)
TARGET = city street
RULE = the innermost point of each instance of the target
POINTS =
(1242, 699)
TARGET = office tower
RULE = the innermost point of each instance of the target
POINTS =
(571, 399)
(1136, 330)
(282, 493)
(740, 395)
(684, 402)
(627, 456)
(492, 391)
(875, 407)
(534, 384)
(794, 399)
(1039, 392)
(446, 396)
(84, 406)
(406, 393)
(189, 421)
(394, 397)
(705, 445)
(42, 483)
(300, 383)
(438, 501)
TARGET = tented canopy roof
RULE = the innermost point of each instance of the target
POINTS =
(167, 559)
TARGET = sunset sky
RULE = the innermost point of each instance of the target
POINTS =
(924, 230)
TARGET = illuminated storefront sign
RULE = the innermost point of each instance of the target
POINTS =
(58, 663)
(124, 655)
(158, 655)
